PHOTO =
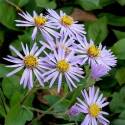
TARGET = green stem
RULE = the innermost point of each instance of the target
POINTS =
(29, 93)
(49, 109)
(14, 5)
(2, 98)
(89, 82)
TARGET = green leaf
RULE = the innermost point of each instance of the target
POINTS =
(119, 122)
(10, 85)
(97, 30)
(23, 2)
(3, 106)
(106, 2)
(117, 104)
(20, 3)
(114, 20)
(67, 9)
(89, 4)
(119, 49)
(18, 115)
(3, 70)
(120, 76)
(60, 106)
(51, 99)
(8, 18)
(122, 115)
(119, 34)
(1, 37)
(121, 2)
(46, 3)
(36, 122)
(16, 97)
(25, 38)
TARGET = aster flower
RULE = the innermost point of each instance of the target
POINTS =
(39, 22)
(30, 63)
(92, 107)
(68, 44)
(98, 70)
(88, 52)
(61, 66)
(74, 110)
(66, 24)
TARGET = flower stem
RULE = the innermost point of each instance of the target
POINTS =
(14, 5)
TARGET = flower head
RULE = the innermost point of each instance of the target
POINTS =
(38, 22)
(59, 66)
(29, 62)
(98, 70)
(66, 24)
(88, 52)
(65, 43)
(74, 110)
(92, 107)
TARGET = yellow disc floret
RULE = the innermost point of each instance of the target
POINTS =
(94, 110)
(67, 20)
(93, 51)
(62, 66)
(30, 61)
(40, 20)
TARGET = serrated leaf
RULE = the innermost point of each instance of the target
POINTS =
(119, 49)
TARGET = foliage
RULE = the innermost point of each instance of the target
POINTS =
(19, 106)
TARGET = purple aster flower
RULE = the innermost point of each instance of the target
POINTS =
(98, 70)
(74, 110)
(38, 22)
(92, 54)
(92, 106)
(66, 24)
(59, 66)
(29, 62)
(68, 44)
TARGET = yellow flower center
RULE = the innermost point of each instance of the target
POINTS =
(93, 51)
(40, 20)
(67, 20)
(94, 110)
(63, 66)
(30, 61)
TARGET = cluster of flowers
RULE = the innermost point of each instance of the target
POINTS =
(66, 49)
